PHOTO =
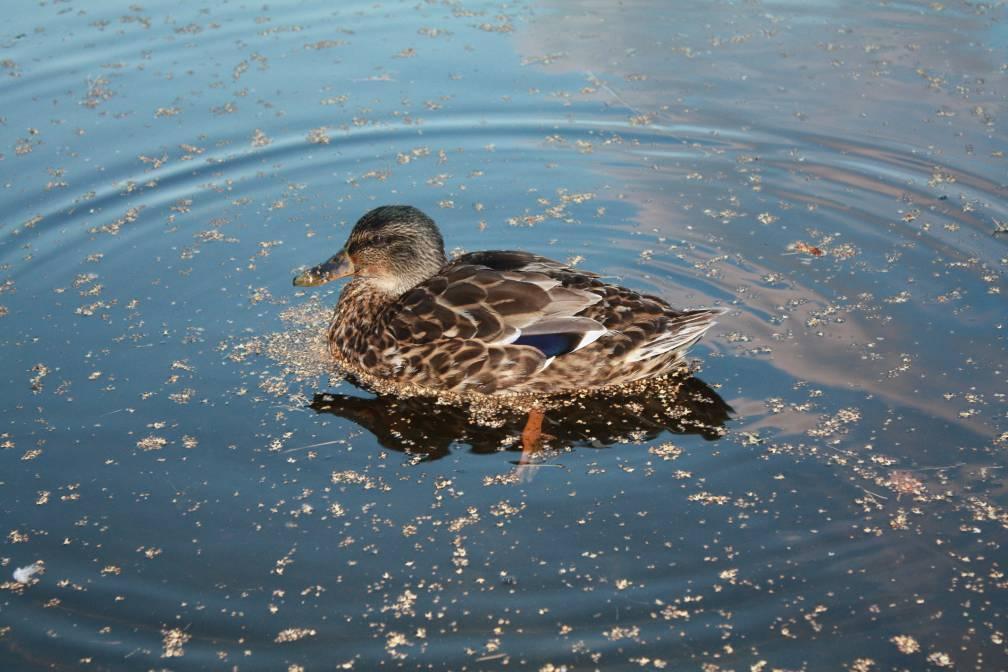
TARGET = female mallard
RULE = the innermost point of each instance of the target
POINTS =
(490, 323)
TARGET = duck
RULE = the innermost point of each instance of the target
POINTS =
(489, 323)
(493, 325)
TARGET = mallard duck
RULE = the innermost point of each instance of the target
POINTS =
(490, 323)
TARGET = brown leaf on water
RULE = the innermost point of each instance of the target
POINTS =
(905, 483)
(805, 248)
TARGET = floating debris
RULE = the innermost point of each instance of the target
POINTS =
(152, 442)
(905, 644)
(173, 640)
(41, 371)
(805, 248)
(318, 136)
(260, 139)
(25, 574)
(293, 635)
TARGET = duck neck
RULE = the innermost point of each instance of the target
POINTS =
(358, 314)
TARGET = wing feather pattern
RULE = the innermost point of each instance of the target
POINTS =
(493, 321)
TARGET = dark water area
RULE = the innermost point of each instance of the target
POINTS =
(198, 488)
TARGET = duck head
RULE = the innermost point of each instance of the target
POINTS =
(392, 248)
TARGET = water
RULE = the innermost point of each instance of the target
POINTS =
(204, 493)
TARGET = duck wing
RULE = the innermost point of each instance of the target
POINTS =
(513, 260)
(494, 299)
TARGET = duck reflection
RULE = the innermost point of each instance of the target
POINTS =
(420, 425)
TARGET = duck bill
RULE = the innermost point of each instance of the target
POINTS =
(339, 266)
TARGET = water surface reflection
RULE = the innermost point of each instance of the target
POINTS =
(422, 426)
(201, 501)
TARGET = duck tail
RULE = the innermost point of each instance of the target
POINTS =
(679, 335)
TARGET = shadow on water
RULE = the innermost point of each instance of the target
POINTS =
(423, 426)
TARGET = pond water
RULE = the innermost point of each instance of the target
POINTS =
(200, 490)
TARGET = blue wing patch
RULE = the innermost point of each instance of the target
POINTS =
(551, 345)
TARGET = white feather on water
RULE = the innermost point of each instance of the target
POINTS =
(24, 574)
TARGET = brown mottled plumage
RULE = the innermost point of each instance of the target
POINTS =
(490, 323)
